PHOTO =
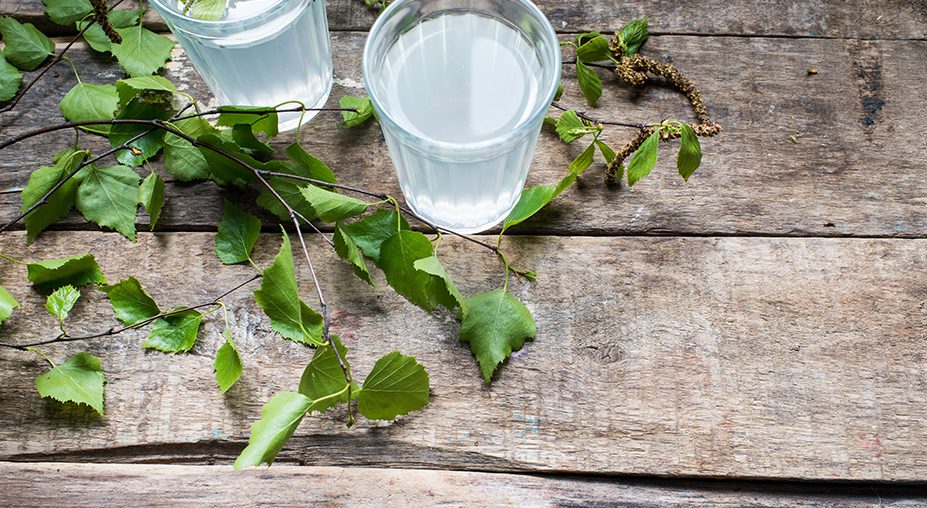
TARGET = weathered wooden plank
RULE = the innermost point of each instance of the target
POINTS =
(856, 169)
(62, 484)
(710, 357)
(893, 19)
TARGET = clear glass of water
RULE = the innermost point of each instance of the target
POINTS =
(260, 53)
(461, 88)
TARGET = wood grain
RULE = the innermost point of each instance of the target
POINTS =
(856, 168)
(61, 484)
(891, 19)
(704, 357)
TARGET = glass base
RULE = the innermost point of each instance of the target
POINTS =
(290, 121)
(463, 229)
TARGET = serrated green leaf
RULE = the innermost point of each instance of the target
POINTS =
(396, 386)
(644, 159)
(151, 196)
(496, 324)
(690, 153)
(248, 142)
(131, 303)
(589, 83)
(96, 38)
(61, 301)
(441, 288)
(109, 197)
(65, 12)
(175, 333)
(570, 127)
(398, 255)
(58, 204)
(207, 10)
(141, 52)
(580, 164)
(223, 170)
(633, 36)
(25, 46)
(531, 201)
(10, 80)
(594, 49)
(330, 206)
(227, 367)
(323, 380)
(278, 296)
(149, 107)
(370, 232)
(279, 419)
(77, 271)
(348, 250)
(265, 122)
(311, 166)
(557, 95)
(80, 379)
(606, 150)
(129, 88)
(86, 102)
(364, 110)
(183, 160)
(301, 164)
(7, 304)
(237, 234)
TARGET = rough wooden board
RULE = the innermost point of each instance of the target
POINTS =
(709, 357)
(856, 169)
(61, 484)
(892, 19)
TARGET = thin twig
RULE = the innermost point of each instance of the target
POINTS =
(582, 114)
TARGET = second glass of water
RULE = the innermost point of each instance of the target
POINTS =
(259, 52)
(461, 88)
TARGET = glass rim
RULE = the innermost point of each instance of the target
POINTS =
(165, 6)
(513, 135)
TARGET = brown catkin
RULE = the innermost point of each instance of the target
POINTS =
(100, 15)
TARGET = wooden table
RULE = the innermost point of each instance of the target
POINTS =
(708, 342)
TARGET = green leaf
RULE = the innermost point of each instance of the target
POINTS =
(86, 102)
(644, 159)
(531, 201)
(238, 232)
(398, 255)
(690, 153)
(606, 150)
(208, 10)
(65, 12)
(25, 46)
(580, 164)
(265, 122)
(58, 204)
(151, 196)
(109, 197)
(149, 107)
(323, 377)
(570, 127)
(129, 88)
(331, 206)
(142, 52)
(348, 250)
(633, 36)
(131, 303)
(279, 419)
(397, 385)
(593, 50)
(589, 83)
(7, 304)
(440, 287)
(175, 333)
(225, 171)
(495, 325)
(183, 160)
(96, 38)
(302, 164)
(370, 232)
(228, 365)
(61, 301)
(77, 271)
(80, 379)
(248, 142)
(557, 97)
(10, 80)
(364, 110)
(311, 167)
(278, 296)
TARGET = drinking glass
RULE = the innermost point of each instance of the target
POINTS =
(261, 53)
(461, 88)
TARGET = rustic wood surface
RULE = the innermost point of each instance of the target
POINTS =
(765, 321)
(59, 484)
